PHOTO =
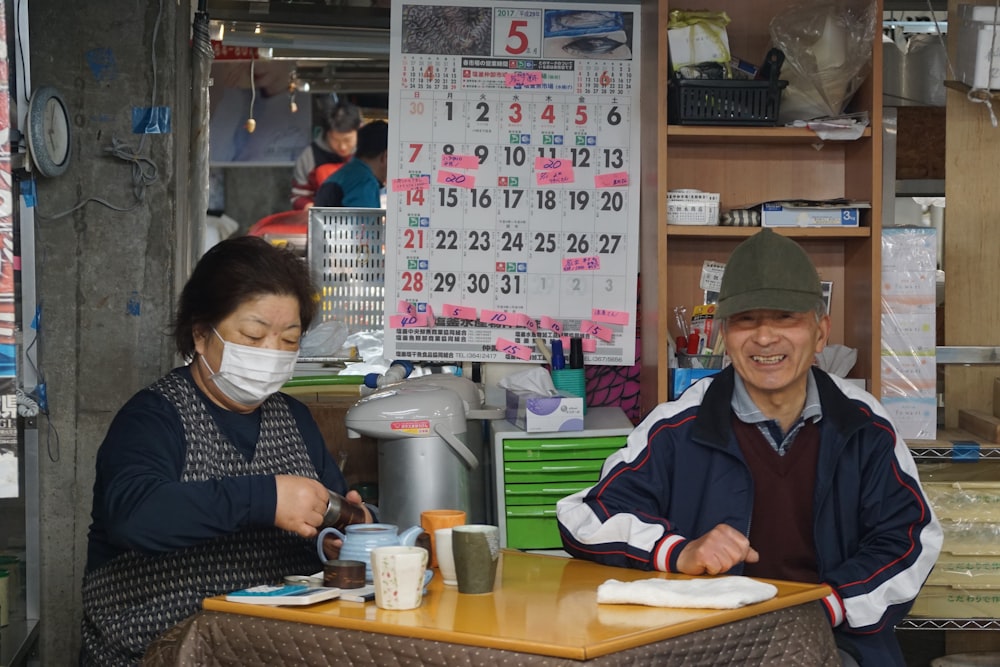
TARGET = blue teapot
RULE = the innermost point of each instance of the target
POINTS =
(360, 538)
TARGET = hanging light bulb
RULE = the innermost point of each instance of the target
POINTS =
(292, 87)
(251, 124)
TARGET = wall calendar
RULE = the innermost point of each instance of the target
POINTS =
(513, 186)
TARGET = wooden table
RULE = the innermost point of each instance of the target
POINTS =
(541, 606)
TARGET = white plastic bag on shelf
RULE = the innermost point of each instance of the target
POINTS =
(828, 54)
(324, 339)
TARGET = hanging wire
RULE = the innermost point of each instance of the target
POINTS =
(144, 170)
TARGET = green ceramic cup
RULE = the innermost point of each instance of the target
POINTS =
(476, 548)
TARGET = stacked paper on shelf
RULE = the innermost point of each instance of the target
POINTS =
(965, 582)
(909, 351)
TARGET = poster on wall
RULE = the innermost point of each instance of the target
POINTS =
(513, 180)
(9, 487)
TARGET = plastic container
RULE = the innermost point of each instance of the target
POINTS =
(705, 361)
(727, 101)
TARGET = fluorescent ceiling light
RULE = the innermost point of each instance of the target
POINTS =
(334, 42)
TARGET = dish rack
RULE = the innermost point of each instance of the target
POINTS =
(346, 255)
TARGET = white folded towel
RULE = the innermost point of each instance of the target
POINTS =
(715, 593)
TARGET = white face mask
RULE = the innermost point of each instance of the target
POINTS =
(248, 375)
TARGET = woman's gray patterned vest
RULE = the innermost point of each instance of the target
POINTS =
(136, 596)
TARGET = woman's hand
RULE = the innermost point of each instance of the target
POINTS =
(301, 504)
(332, 543)
(354, 498)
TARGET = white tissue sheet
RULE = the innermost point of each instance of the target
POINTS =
(536, 380)
(715, 593)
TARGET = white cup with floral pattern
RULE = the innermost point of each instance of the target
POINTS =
(399, 575)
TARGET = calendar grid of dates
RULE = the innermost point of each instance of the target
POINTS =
(513, 180)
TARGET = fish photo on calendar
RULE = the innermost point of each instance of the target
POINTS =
(594, 35)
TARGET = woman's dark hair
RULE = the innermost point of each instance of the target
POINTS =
(342, 117)
(232, 272)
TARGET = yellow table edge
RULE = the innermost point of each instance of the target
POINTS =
(353, 616)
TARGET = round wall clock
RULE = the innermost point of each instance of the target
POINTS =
(49, 131)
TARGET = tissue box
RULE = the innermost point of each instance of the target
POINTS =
(535, 412)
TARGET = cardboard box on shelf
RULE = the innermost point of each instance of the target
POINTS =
(811, 214)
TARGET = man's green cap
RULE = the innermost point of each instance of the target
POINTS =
(768, 271)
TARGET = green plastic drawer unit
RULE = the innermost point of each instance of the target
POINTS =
(583, 470)
(541, 494)
(557, 449)
(533, 527)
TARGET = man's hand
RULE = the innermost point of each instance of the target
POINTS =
(716, 551)
(301, 504)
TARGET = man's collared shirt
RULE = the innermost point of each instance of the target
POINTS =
(747, 412)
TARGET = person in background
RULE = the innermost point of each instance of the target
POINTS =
(771, 468)
(209, 480)
(359, 183)
(328, 152)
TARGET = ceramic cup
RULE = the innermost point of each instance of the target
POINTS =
(431, 520)
(445, 556)
(399, 576)
(476, 548)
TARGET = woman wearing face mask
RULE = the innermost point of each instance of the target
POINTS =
(209, 480)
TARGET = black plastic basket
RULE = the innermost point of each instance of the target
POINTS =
(728, 101)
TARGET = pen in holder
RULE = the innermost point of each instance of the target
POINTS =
(570, 380)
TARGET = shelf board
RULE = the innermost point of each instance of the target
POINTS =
(917, 623)
(943, 446)
(716, 231)
(727, 134)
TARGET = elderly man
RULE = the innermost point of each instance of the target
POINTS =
(772, 468)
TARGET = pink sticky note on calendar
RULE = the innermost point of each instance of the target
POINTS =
(526, 321)
(459, 312)
(455, 179)
(515, 79)
(581, 263)
(551, 324)
(513, 349)
(413, 183)
(555, 176)
(619, 179)
(405, 307)
(408, 321)
(593, 329)
(498, 317)
(609, 316)
(550, 163)
(455, 161)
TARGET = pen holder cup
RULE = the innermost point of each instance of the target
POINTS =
(706, 361)
(572, 381)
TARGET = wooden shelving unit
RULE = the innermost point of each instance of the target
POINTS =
(749, 165)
